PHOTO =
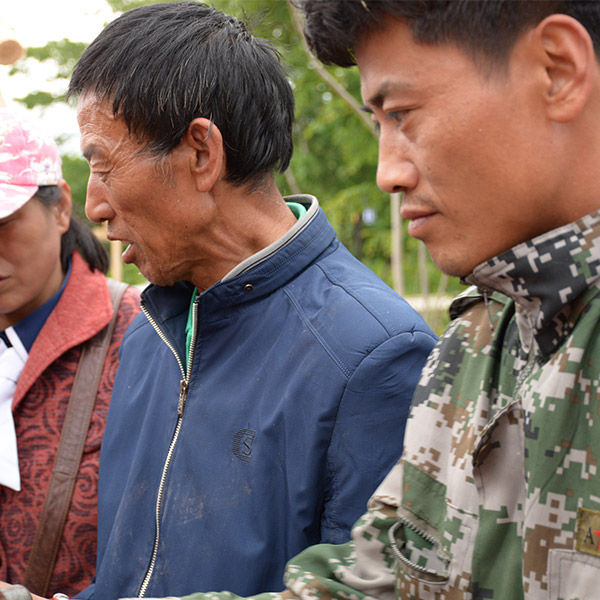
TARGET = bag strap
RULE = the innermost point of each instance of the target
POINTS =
(68, 456)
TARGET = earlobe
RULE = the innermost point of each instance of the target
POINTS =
(207, 158)
(570, 66)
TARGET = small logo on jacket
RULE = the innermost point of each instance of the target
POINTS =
(242, 443)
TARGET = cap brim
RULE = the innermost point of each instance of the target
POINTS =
(13, 197)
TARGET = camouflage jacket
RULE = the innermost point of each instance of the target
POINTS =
(496, 495)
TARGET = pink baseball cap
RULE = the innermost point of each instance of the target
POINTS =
(28, 158)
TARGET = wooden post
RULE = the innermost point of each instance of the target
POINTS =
(116, 265)
(397, 243)
(116, 248)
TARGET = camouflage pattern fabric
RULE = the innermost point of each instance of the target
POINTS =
(497, 495)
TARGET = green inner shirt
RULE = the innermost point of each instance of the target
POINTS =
(299, 211)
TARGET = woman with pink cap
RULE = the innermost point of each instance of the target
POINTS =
(54, 299)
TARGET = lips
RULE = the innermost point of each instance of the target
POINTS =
(410, 213)
(114, 238)
(418, 216)
(126, 255)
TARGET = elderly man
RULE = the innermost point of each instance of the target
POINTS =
(489, 116)
(267, 359)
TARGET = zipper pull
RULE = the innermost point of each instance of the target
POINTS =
(183, 390)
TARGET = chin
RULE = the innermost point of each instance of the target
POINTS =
(451, 266)
(148, 274)
(157, 278)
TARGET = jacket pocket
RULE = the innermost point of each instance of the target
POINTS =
(430, 562)
(432, 540)
(572, 575)
(417, 554)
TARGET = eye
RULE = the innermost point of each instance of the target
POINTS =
(5, 226)
(397, 115)
(100, 173)
(6, 221)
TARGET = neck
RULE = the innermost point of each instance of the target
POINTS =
(246, 223)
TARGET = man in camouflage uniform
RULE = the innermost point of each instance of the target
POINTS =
(489, 116)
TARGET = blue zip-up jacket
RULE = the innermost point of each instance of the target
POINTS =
(303, 363)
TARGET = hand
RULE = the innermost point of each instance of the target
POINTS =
(8, 591)
(13, 592)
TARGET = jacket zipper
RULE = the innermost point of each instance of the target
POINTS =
(183, 390)
(532, 361)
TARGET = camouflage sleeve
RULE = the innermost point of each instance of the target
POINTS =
(225, 596)
(362, 568)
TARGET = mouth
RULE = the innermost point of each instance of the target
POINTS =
(411, 213)
(419, 218)
(126, 255)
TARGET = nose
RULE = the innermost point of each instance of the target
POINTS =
(396, 172)
(97, 206)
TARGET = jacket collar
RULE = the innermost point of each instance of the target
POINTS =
(549, 278)
(83, 309)
(312, 210)
(255, 277)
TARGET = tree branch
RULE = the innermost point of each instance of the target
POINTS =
(339, 89)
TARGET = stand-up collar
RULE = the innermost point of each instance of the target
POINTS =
(258, 275)
(548, 278)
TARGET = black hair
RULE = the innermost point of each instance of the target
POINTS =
(164, 65)
(78, 237)
(486, 29)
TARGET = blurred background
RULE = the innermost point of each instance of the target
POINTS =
(335, 156)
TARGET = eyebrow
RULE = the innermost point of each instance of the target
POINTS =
(387, 87)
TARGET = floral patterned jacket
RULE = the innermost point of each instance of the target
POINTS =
(39, 408)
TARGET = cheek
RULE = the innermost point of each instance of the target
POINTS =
(17, 251)
(467, 162)
(41, 258)
(27, 270)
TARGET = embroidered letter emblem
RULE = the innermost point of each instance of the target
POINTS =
(242, 444)
(588, 531)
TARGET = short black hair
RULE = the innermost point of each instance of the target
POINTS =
(164, 65)
(485, 29)
(78, 237)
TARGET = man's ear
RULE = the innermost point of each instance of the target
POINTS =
(207, 160)
(568, 53)
(64, 207)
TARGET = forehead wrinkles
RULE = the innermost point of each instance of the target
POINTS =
(104, 137)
